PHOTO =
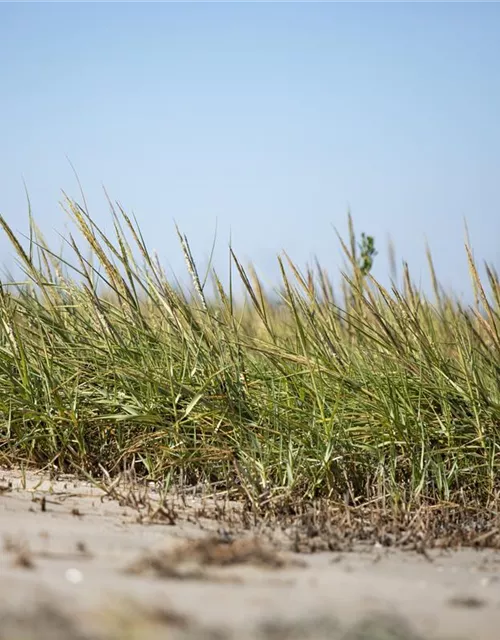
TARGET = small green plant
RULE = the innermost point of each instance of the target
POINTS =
(367, 253)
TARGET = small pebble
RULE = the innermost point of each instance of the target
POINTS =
(74, 576)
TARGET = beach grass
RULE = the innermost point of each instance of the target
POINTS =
(352, 393)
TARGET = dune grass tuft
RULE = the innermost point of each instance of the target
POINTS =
(357, 394)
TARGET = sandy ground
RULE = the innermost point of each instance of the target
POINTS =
(76, 565)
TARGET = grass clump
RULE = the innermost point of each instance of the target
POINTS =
(362, 394)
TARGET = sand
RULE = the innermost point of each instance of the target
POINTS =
(76, 564)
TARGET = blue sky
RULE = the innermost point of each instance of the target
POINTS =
(267, 118)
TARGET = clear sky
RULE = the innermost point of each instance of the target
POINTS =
(267, 118)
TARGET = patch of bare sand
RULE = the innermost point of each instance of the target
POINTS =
(76, 564)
